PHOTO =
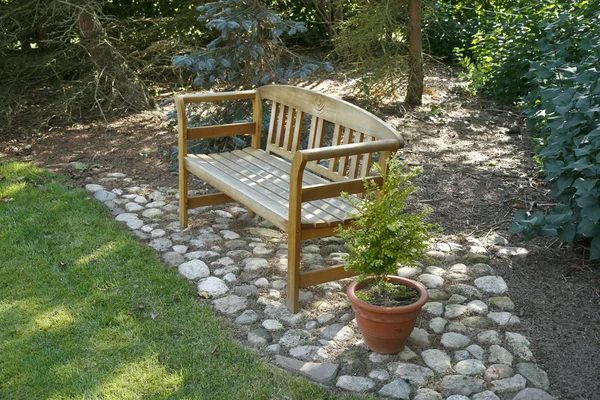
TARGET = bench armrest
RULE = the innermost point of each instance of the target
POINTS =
(351, 149)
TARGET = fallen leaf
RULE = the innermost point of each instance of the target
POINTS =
(62, 265)
(577, 267)
(7, 199)
(205, 295)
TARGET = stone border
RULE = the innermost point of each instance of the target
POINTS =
(467, 343)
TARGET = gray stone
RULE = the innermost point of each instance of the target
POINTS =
(457, 327)
(465, 290)
(157, 204)
(230, 304)
(414, 374)
(454, 310)
(140, 199)
(498, 371)
(532, 394)
(437, 324)
(235, 244)
(447, 247)
(124, 217)
(92, 187)
(479, 322)
(229, 235)
(248, 317)
(475, 258)
(501, 318)
(212, 286)
(246, 290)
(407, 354)
(379, 358)
(261, 251)
(135, 224)
(431, 281)
(509, 385)
(379, 375)
(409, 272)
(161, 244)
(457, 397)
(518, 252)
(103, 195)
(279, 311)
(534, 374)
(433, 270)
(209, 237)
(318, 372)
(461, 385)
(180, 237)
(172, 258)
(293, 338)
(133, 207)
(310, 325)
(477, 249)
(453, 340)
(434, 308)
(269, 233)
(487, 395)
(259, 337)
(491, 285)
(397, 389)
(337, 332)
(311, 248)
(357, 384)
(437, 294)
(181, 249)
(440, 255)
(325, 318)
(457, 299)
(427, 394)
(261, 283)
(499, 355)
(459, 268)
(279, 284)
(255, 264)
(311, 258)
(309, 353)
(419, 337)
(437, 360)
(482, 270)
(194, 269)
(477, 351)
(153, 213)
(273, 348)
(469, 367)
(272, 325)
(477, 307)
(457, 277)
(502, 303)
(460, 355)
(489, 337)
(519, 345)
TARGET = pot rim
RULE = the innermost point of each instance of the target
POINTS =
(423, 296)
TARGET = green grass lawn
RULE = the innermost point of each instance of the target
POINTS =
(87, 312)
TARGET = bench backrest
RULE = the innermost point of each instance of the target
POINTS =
(303, 119)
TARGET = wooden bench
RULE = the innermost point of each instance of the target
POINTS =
(317, 147)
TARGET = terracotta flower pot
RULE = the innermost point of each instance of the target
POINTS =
(386, 329)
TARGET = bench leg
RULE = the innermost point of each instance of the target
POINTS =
(183, 196)
(293, 281)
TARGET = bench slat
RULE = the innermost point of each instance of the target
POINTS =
(205, 132)
(336, 207)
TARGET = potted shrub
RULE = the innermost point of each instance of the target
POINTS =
(384, 235)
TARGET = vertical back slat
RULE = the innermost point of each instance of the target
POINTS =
(312, 132)
(289, 128)
(354, 164)
(281, 115)
(348, 138)
(299, 120)
(336, 140)
(270, 137)
(367, 159)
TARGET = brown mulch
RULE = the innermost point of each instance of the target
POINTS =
(477, 172)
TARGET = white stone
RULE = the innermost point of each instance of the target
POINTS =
(181, 249)
(261, 283)
(126, 217)
(230, 278)
(532, 394)
(477, 351)
(293, 338)
(419, 337)
(514, 384)
(414, 374)
(431, 281)
(272, 325)
(135, 224)
(408, 272)
(205, 254)
(212, 286)
(453, 340)
(501, 318)
(491, 285)
(194, 269)
(469, 367)
(477, 307)
(498, 371)
(357, 384)
(519, 345)
(152, 213)
(103, 195)
(434, 308)
(157, 233)
(173, 259)
(325, 318)
(379, 375)
(337, 332)
(437, 324)
(309, 353)
(461, 385)
(230, 235)
(161, 244)
(487, 395)
(454, 310)
(518, 252)
(248, 317)
(437, 360)
(230, 304)
(140, 199)
(534, 374)
(258, 337)
(489, 337)
(397, 389)
(133, 207)
(499, 355)
(255, 264)
(92, 187)
(427, 394)
(261, 251)
(433, 270)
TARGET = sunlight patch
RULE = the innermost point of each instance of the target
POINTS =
(104, 251)
(53, 319)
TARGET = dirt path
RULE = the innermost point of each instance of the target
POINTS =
(477, 172)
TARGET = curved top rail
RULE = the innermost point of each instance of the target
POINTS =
(331, 109)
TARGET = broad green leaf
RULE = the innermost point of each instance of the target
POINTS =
(592, 213)
(587, 201)
(567, 233)
(587, 228)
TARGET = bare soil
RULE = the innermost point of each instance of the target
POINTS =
(477, 172)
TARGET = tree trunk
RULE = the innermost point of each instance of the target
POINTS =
(414, 91)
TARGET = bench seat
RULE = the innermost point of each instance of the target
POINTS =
(253, 177)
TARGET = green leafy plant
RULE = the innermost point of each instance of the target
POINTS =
(564, 113)
(385, 233)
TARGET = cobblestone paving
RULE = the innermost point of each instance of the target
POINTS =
(466, 346)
